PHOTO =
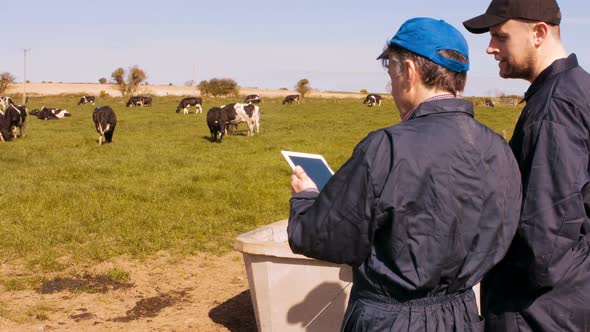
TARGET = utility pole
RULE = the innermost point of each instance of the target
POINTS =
(25, 77)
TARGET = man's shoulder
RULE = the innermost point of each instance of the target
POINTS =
(573, 85)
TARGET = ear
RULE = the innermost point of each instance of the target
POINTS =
(540, 33)
(411, 74)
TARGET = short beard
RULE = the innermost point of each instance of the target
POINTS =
(524, 71)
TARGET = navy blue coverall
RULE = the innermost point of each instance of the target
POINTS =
(422, 210)
(543, 284)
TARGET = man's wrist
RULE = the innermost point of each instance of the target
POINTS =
(310, 190)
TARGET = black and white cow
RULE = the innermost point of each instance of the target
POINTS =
(291, 99)
(58, 112)
(105, 122)
(5, 102)
(5, 130)
(134, 101)
(185, 103)
(252, 99)
(217, 121)
(489, 103)
(147, 101)
(139, 101)
(372, 100)
(44, 114)
(248, 113)
(86, 100)
(14, 119)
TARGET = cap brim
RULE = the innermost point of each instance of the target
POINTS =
(482, 23)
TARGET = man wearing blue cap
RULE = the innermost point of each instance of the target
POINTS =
(543, 283)
(422, 209)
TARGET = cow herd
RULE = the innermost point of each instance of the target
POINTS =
(221, 120)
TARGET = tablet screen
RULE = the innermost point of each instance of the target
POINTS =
(314, 165)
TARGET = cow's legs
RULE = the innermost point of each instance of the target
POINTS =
(199, 108)
(22, 129)
(185, 111)
(250, 128)
(109, 136)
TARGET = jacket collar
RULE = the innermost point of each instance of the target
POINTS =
(455, 105)
(558, 66)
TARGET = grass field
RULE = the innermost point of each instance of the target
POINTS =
(161, 185)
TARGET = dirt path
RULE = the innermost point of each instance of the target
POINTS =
(197, 293)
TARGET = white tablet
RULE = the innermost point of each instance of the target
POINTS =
(314, 165)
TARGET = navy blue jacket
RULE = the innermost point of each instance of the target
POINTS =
(543, 284)
(422, 210)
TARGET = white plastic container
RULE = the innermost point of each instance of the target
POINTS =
(292, 292)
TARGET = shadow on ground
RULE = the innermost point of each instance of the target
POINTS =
(236, 314)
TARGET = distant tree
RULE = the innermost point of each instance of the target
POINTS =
(203, 86)
(364, 91)
(5, 79)
(189, 83)
(102, 80)
(219, 87)
(129, 85)
(303, 87)
(170, 84)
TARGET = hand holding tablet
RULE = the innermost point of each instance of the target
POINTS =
(314, 165)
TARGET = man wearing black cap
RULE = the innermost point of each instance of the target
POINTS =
(543, 283)
(422, 209)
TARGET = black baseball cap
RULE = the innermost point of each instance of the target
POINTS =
(501, 11)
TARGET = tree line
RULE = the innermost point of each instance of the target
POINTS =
(127, 82)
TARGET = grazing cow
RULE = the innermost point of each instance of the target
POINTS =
(252, 99)
(5, 102)
(134, 101)
(15, 117)
(105, 122)
(185, 103)
(488, 103)
(86, 100)
(139, 101)
(6, 133)
(248, 113)
(217, 121)
(44, 114)
(5, 130)
(372, 100)
(291, 99)
(147, 101)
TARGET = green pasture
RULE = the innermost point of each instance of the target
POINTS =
(161, 184)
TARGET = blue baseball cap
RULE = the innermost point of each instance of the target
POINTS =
(426, 36)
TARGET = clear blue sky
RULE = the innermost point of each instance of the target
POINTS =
(259, 43)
